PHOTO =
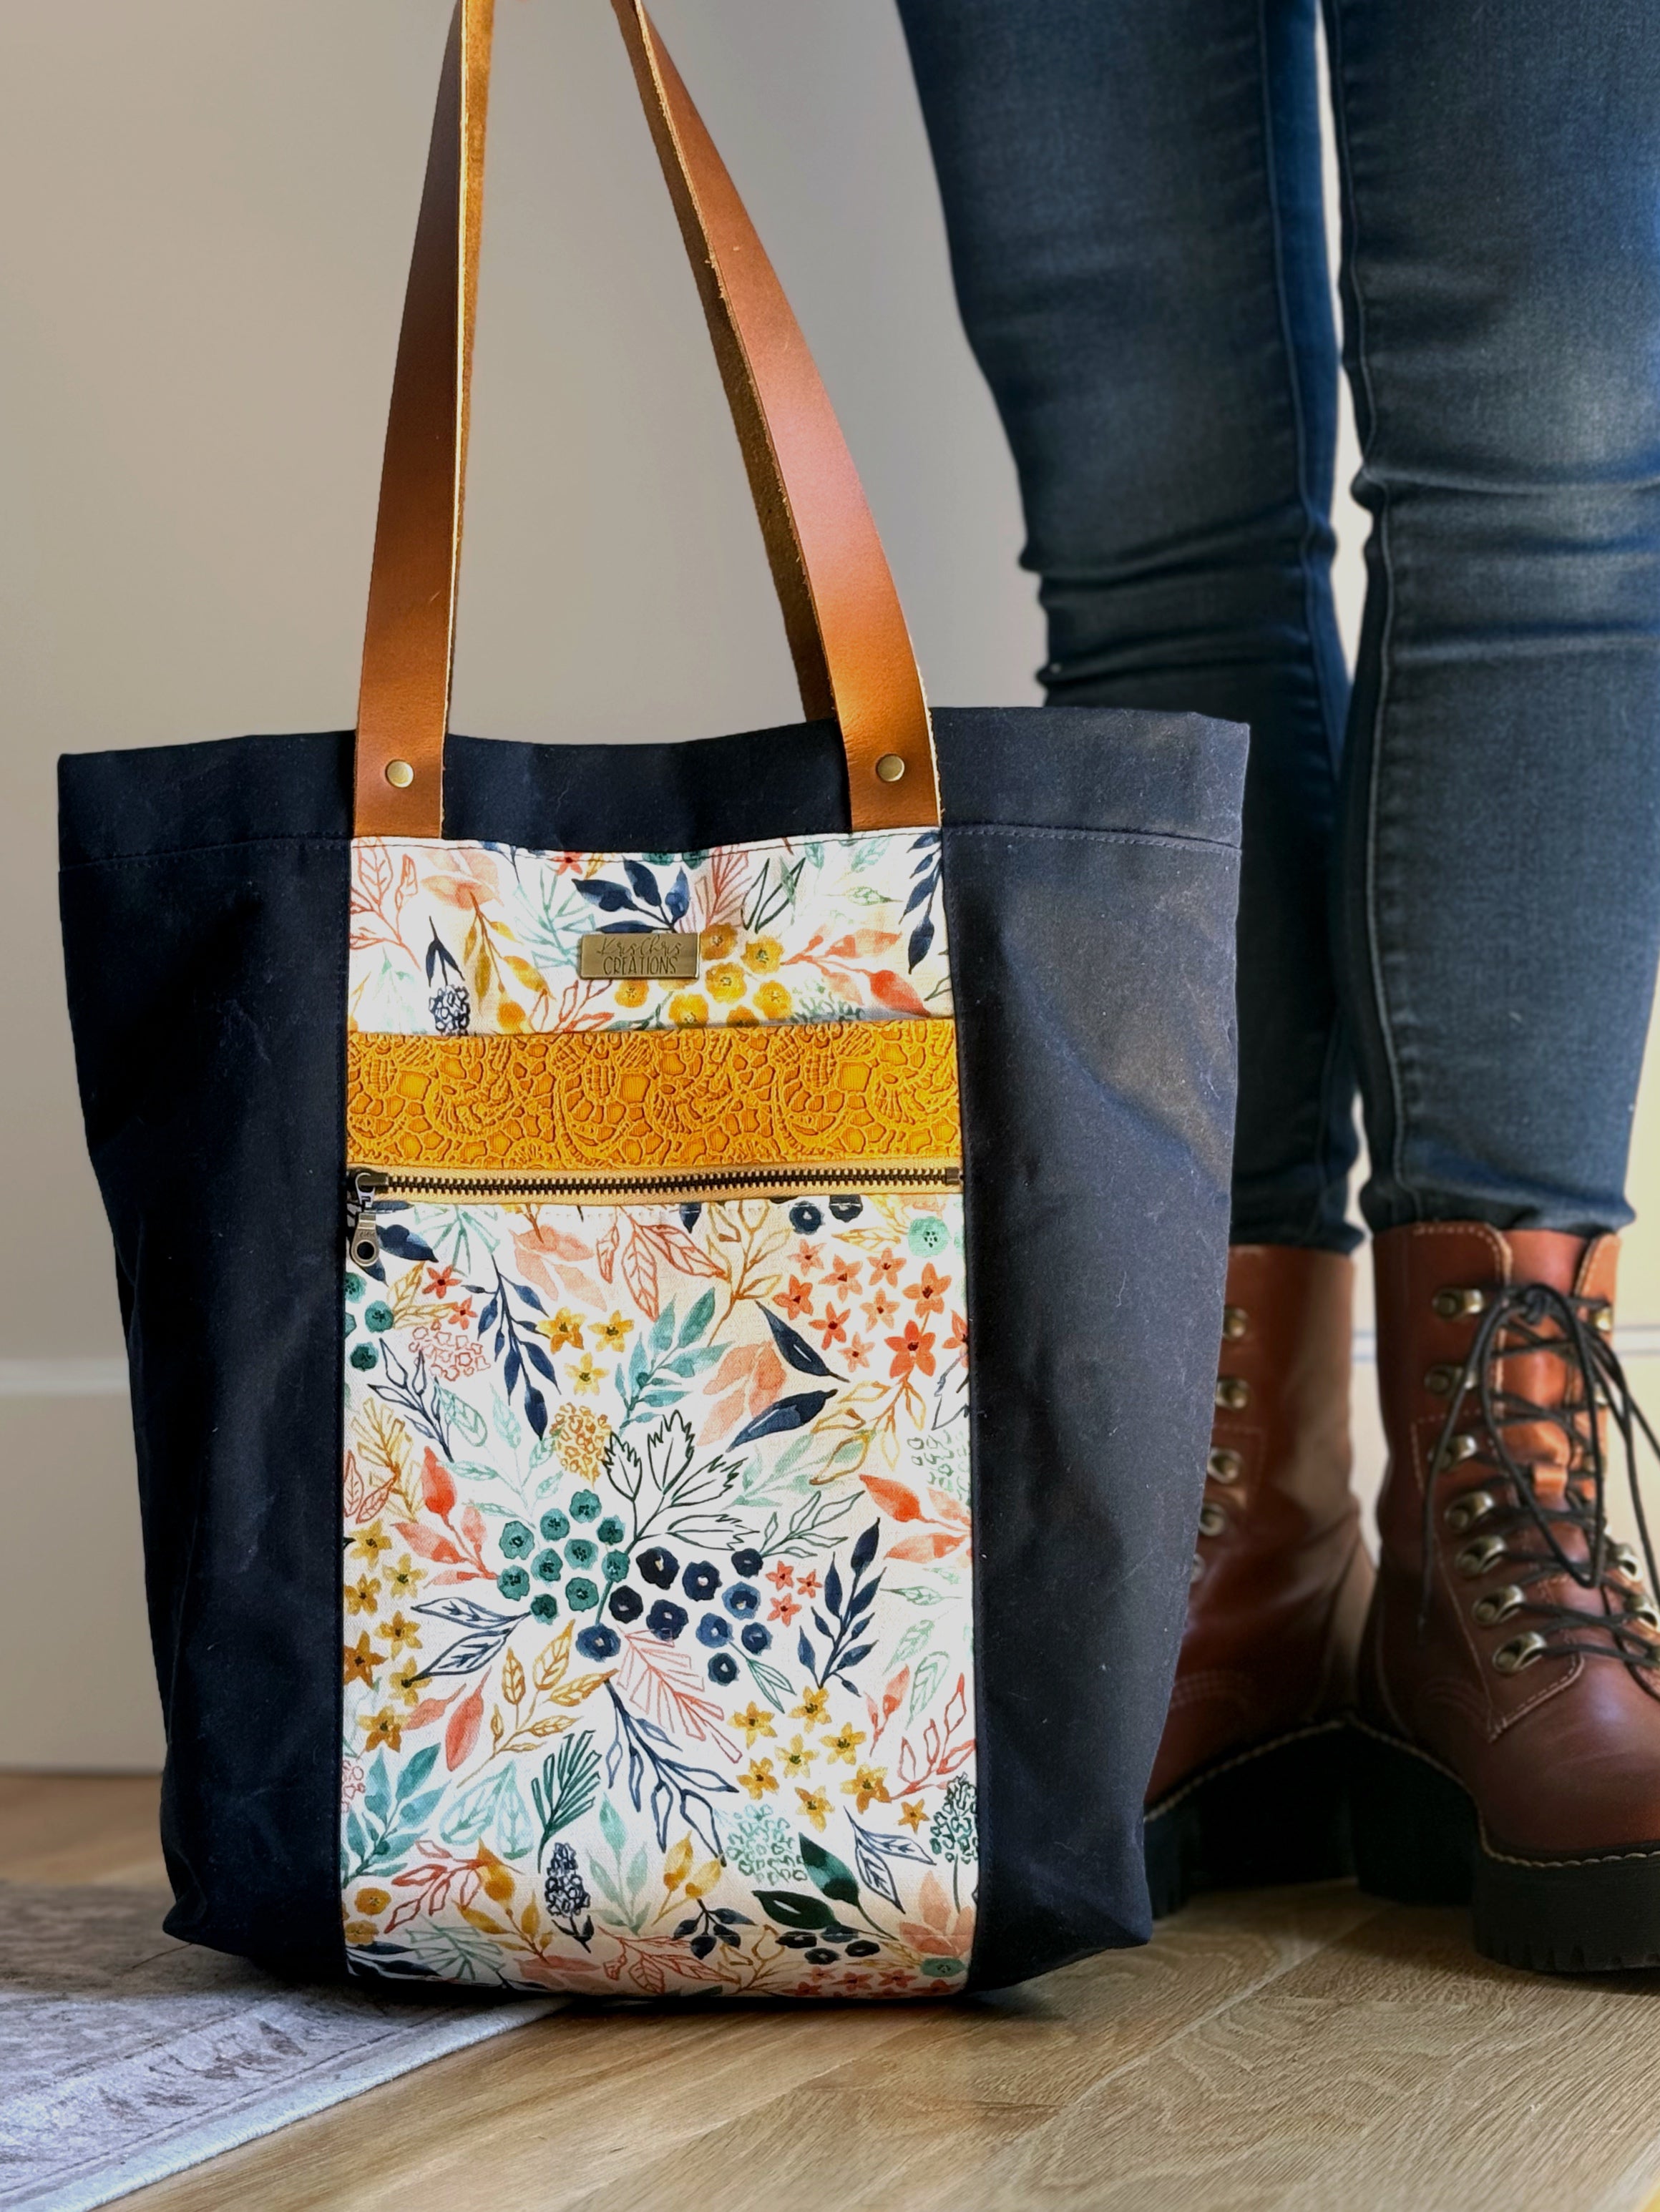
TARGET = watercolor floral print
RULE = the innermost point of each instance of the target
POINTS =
(450, 938)
(657, 1647)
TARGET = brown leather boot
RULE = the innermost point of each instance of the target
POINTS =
(1508, 1751)
(1248, 1783)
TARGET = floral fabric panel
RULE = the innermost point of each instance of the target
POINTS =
(449, 938)
(658, 1653)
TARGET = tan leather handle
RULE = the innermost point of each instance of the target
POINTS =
(847, 632)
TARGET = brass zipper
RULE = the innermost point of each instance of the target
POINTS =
(489, 1186)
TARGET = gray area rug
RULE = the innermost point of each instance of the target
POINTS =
(125, 2057)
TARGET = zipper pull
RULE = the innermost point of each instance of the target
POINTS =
(363, 1235)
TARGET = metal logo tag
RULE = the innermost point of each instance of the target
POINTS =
(657, 956)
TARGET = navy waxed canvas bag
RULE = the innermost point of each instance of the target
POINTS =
(671, 1293)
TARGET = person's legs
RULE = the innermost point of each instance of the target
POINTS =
(1500, 916)
(1132, 196)
(1500, 896)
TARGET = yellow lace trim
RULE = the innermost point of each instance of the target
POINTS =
(788, 1094)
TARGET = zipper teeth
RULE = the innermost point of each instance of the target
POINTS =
(852, 1177)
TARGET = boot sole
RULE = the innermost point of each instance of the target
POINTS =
(1275, 1812)
(1419, 1840)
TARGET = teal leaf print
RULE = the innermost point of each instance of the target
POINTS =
(568, 1786)
(827, 1872)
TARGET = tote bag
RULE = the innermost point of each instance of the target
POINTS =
(671, 1293)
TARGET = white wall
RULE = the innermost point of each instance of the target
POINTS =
(209, 209)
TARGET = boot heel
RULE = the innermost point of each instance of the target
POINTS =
(1414, 1830)
(1275, 1813)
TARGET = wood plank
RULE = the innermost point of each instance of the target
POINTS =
(81, 1827)
(1297, 2050)
(645, 2108)
(1394, 2070)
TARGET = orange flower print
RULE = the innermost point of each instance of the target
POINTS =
(782, 1575)
(844, 1273)
(798, 1299)
(885, 1268)
(835, 1326)
(958, 1338)
(881, 1308)
(927, 1295)
(857, 1355)
(914, 1350)
(808, 1585)
(439, 1281)
(784, 1609)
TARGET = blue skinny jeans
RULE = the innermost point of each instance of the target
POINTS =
(1451, 879)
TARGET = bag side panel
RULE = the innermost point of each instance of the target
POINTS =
(1093, 975)
(207, 996)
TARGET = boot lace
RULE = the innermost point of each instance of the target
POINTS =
(1542, 1539)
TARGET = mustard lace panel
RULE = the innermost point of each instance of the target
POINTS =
(664, 1099)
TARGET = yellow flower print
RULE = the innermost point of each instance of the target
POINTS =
(363, 1595)
(565, 1328)
(726, 981)
(814, 1704)
(369, 1543)
(678, 1864)
(631, 992)
(814, 1806)
(387, 1727)
(798, 1757)
(755, 1720)
(911, 1815)
(403, 1635)
(718, 940)
(362, 1931)
(582, 1437)
(405, 1578)
(762, 955)
(406, 1680)
(774, 1001)
(844, 1742)
(361, 1662)
(688, 1010)
(757, 1777)
(611, 1332)
(867, 1783)
(372, 1901)
(743, 1018)
(585, 1376)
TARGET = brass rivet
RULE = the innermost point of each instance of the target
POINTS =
(890, 767)
(1235, 1321)
(399, 774)
(1232, 1396)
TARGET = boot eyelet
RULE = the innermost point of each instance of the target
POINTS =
(1477, 1558)
(1235, 1321)
(1442, 1380)
(1224, 1466)
(1231, 1395)
(1195, 1570)
(1464, 1512)
(1521, 1651)
(1644, 1612)
(1498, 1605)
(1458, 1448)
(1455, 1306)
(1624, 1561)
(1212, 1520)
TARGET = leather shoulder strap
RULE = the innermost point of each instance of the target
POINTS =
(847, 632)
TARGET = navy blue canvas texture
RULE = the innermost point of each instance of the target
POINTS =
(1090, 879)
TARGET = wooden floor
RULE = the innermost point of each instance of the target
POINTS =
(1302, 2049)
